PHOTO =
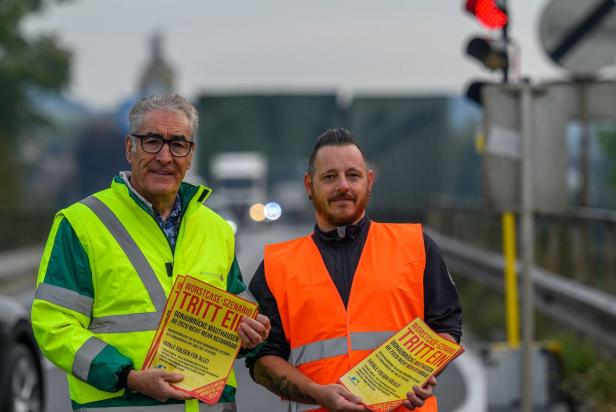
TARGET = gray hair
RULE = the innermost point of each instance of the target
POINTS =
(169, 101)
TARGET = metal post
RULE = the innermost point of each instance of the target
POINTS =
(581, 229)
(512, 308)
(584, 194)
(505, 35)
(528, 243)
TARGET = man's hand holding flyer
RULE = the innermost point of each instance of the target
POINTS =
(197, 337)
(410, 357)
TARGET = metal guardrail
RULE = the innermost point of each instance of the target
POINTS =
(585, 309)
(579, 244)
(475, 205)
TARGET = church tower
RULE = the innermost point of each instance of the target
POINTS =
(158, 76)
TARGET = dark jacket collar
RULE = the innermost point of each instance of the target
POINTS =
(343, 234)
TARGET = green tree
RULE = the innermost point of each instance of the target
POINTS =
(26, 63)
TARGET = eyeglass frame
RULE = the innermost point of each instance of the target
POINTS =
(165, 142)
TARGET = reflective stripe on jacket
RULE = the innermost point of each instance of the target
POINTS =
(327, 339)
(133, 269)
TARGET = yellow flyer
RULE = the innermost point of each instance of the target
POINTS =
(410, 357)
(175, 291)
(199, 337)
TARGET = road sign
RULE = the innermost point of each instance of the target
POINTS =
(579, 35)
(554, 106)
(501, 162)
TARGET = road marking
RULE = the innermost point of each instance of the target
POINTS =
(474, 377)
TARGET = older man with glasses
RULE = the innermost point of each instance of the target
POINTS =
(111, 260)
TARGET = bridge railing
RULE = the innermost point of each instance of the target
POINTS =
(579, 245)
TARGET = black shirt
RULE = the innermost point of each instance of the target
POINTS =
(341, 249)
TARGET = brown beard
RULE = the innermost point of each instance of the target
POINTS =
(361, 202)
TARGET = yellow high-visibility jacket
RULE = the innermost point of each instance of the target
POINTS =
(104, 278)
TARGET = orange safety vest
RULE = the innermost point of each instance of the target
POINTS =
(327, 339)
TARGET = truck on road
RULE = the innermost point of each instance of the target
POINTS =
(239, 180)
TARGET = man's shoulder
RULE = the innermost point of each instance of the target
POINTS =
(76, 217)
(397, 227)
(395, 224)
(102, 195)
(210, 216)
(208, 213)
(287, 245)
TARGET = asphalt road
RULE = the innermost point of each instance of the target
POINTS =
(460, 387)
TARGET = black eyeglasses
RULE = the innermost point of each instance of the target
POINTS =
(153, 143)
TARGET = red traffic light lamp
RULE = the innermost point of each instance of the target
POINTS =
(489, 14)
(493, 15)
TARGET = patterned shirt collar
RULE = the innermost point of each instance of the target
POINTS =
(171, 225)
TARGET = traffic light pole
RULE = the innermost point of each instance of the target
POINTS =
(509, 237)
(505, 33)
(584, 194)
(512, 307)
(527, 244)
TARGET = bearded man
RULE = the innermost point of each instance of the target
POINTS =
(335, 295)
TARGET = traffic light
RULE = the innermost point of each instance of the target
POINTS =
(489, 51)
(474, 91)
(488, 12)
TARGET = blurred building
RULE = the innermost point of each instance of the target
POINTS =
(421, 147)
(99, 155)
(47, 152)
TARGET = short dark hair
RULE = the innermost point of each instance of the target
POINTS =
(333, 137)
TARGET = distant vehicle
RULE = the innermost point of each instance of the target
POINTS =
(239, 180)
(290, 194)
(21, 372)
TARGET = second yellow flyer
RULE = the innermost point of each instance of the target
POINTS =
(410, 357)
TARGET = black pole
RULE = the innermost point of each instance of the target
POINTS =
(505, 34)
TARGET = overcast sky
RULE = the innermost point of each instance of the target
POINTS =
(350, 46)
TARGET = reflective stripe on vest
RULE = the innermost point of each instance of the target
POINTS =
(178, 407)
(128, 245)
(66, 298)
(84, 356)
(318, 350)
(69, 299)
(135, 322)
(369, 340)
(337, 346)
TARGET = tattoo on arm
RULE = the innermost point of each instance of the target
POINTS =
(279, 384)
